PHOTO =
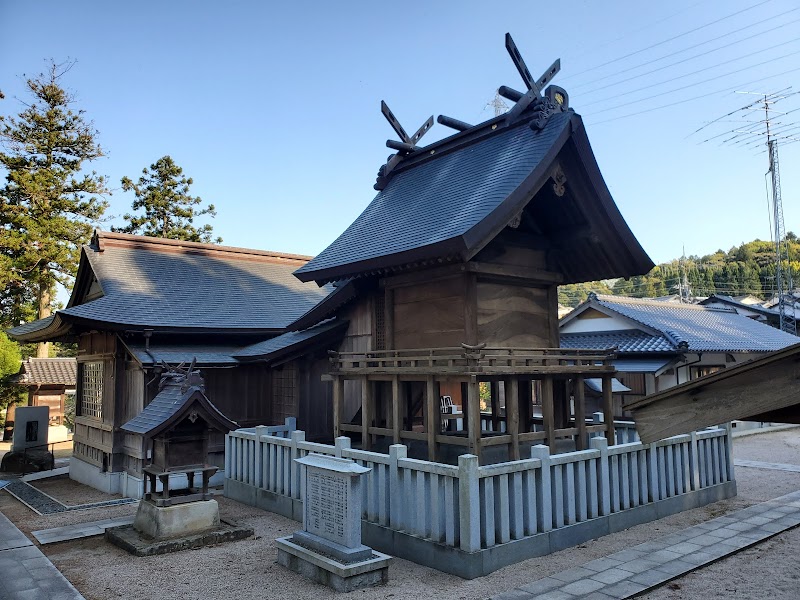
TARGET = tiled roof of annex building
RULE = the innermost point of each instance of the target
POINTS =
(48, 371)
(145, 282)
(696, 328)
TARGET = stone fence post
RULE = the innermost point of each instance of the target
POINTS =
(544, 496)
(342, 443)
(396, 505)
(469, 503)
(603, 476)
(294, 468)
(258, 458)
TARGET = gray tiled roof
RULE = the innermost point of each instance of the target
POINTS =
(146, 287)
(44, 371)
(169, 401)
(442, 199)
(756, 308)
(175, 354)
(37, 325)
(287, 340)
(595, 384)
(627, 340)
(704, 329)
(166, 403)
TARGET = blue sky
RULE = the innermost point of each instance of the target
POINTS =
(273, 108)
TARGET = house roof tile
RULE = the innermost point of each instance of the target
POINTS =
(43, 371)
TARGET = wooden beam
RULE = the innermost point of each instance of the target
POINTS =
(397, 415)
(474, 413)
(608, 409)
(471, 309)
(515, 272)
(547, 412)
(579, 396)
(388, 317)
(432, 412)
(338, 405)
(366, 413)
(512, 416)
(524, 404)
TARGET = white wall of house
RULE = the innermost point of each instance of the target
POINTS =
(682, 373)
(593, 321)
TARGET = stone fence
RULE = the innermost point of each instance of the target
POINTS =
(471, 520)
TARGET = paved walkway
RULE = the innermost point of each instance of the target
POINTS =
(81, 530)
(755, 464)
(26, 573)
(649, 565)
(42, 504)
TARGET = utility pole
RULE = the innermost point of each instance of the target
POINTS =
(751, 134)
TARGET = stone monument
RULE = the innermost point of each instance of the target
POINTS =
(328, 549)
(29, 450)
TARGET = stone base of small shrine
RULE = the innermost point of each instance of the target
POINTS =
(158, 530)
(127, 538)
(164, 522)
(327, 570)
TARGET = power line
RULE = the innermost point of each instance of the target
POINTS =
(666, 56)
(714, 66)
(680, 35)
(698, 97)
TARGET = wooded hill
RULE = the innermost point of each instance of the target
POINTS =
(745, 269)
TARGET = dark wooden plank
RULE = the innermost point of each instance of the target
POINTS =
(608, 409)
(579, 395)
(432, 414)
(512, 416)
(397, 418)
(367, 408)
(547, 411)
(471, 333)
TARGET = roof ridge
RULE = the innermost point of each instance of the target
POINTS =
(105, 239)
(654, 302)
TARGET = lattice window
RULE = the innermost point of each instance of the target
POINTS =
(284, 393)
(92, 390)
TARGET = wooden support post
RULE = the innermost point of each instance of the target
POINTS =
(366, 413)
(547, 412)
(512, 416)
(397, 415)
(494, 388)
(608, 409)
(338, 405)
(524, 405)
(579, 396)
(432, 416)
(474, 413)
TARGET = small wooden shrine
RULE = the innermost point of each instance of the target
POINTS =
(178, 424)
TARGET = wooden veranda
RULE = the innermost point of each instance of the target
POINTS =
(553, 377)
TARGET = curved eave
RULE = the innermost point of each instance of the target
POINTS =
(638, 262)
(447, 251)
(53, 328)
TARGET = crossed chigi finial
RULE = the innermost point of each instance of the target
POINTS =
(545, 100)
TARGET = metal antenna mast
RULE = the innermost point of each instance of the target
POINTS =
(788, 323)
(750, 135)
(499, 106)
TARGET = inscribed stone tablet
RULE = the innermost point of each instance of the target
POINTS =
(326, 504)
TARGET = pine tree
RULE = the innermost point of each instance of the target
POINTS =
(49, 204)
(169, 211)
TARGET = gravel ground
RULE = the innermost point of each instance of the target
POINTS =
(249, 570)
(70, 492)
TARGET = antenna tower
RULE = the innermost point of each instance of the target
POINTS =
(751, 134)
(497, 103)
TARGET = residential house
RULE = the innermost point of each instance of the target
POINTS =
(663, 344)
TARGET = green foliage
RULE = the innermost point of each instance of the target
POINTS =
(745, 269)
(575, 293)
(48, 204)
(10, 361)
(169, 211)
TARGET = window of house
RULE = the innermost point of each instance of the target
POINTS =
(702, 371)
(92, 390)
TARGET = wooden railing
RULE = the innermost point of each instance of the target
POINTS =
(473, 360)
